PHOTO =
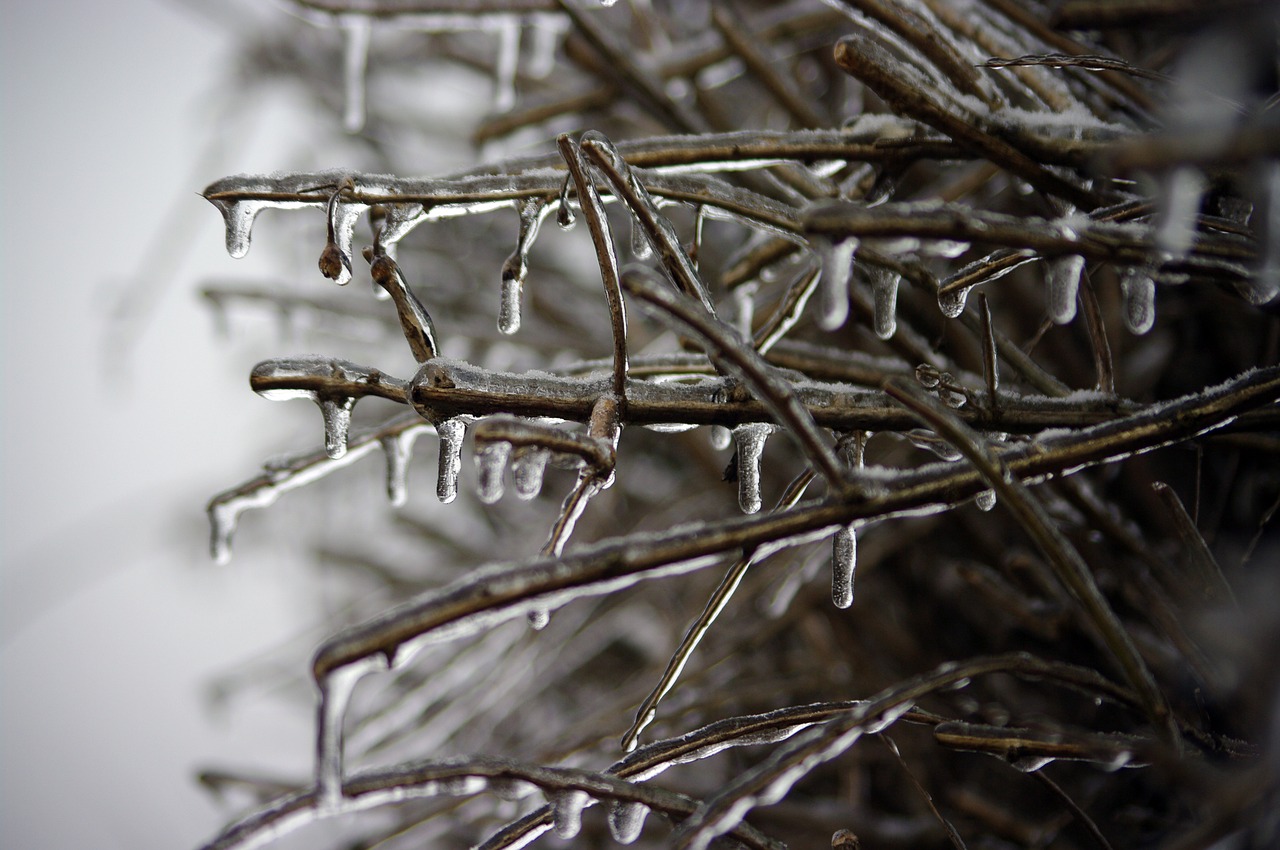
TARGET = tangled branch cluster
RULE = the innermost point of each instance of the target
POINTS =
(812, 191)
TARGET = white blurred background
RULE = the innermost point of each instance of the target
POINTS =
(115, 432)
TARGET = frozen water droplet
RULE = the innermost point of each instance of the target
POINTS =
(337, 421)
(626, 820)
(952, 303)
(1139, 292)
(837, 265)
(505, 66)
(539, 618)
(565, 216)
(952, 396)
(1030, 764)
(526, 472)
(884, 289)
(640, 247)
(451, 433)
(239, 217)
(986, 500)
(335, 260)
(929, 441)
(844, 560)
(356, 30)
(750, 440)
(566, 812)
(928, 376)
(491, 464)
(721, 437)
(516, 268)
(1179, 205)
(1063, 280)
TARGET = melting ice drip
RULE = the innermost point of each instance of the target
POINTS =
(516, 268)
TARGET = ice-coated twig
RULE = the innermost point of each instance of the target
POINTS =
(1066, 561)
(769, 782)
(725, 347)
(606, 255)
(419, 331)
(1020, 746)
(459, 777)
(698, 629)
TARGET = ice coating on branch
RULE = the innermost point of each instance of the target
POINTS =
(750, 440)
(505, 66)
(335, 407)
(844, 560)
(415, 322)
(626, 820)
(566, 812)
(491, 465)
(1062, 277)
(931, 442)
(399, 220)
(837, 265)
(335, 260)
(1138, 290)
(356, 30)
(516, 268)
(884, 291)
(239, 217)
(527, 467)
(986, 500)
(1180, 195)
(451, 433)
(952, 303)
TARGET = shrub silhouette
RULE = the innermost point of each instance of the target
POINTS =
(975, 297)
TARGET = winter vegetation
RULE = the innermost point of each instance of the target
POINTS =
(972, 301)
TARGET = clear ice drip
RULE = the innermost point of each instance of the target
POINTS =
(884, 290)
(1063, 280)
(1138, 290)
(539, 618)
(451, 433)
(491, 464)
(952, 303)
(641, 249)
(400, 219)
(527, 467)
(239, 217)
(566, 812)
(744, 302)
(750, 440)
(986, 500)
(356, 30)
(506, 65)
(626, 820)
(1179, 204)
(335, 409)
(337, 422)
(335, 260)
(844, 560)
(516, 268)
(837, 265)
(929, 441)
(565, 217)
(398, 449)
(721, 437)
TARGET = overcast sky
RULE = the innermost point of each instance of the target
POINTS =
(113, 621)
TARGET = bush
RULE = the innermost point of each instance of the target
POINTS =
(1054, 492)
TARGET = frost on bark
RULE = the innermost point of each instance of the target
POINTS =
(751, 358)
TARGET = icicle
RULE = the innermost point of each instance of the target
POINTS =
(744, 300)
(844, 560)
(526, 472)
(986, 500)
(929, 441)
(640, 247)
(398, 448)
(1139, 293)
(1179, 204)
(400, 219)
(516, 268)
(335, 259)
(1264, 285)
(335, 692)
(239, 217)
(539, 618)
(1030, 764)
(505, 66)
(1063, 280)
(491, 464)
(565, 217)
(450, 432)
(952, 303)
(355, 56)
(699, 224)
(222, 526)
(337, 421)
(750, 440)
(884, 289)
(721, 437)
(837, 265)
(566, 812)
(542, 54)
(626, 820)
